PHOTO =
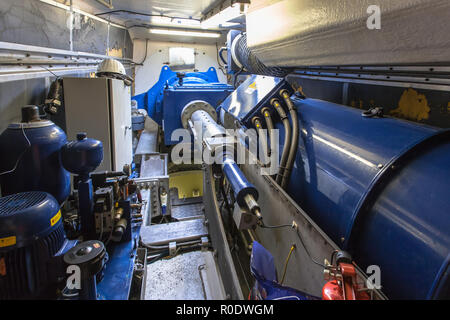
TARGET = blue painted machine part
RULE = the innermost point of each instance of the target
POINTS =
(83, 155)
(177, 97)
(28, 216)
(249, 98)
(39, 167)
(238, 182)
(118, 276)
(379, 188)
(32, 234)
(86, 208)
(152, 99)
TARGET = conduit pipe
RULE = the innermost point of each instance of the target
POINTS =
(287, 138)
(294, 143)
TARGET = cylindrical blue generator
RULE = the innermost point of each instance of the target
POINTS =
(379, 187)
(31, 157)
(31, 233)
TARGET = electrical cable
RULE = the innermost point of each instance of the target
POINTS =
(300, 238)
(218, 62)
(276, 227)
(307, 251)
(286, 263)
(57, 77)
(20, 156)
(166, 253)
(151, 247)
(146, 50)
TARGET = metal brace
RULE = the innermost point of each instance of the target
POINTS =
(205, 243)
(172, 248)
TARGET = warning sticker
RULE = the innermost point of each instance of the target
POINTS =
(8, 241)
(55, 218)
(251, 88)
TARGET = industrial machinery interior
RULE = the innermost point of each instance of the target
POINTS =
(224, 150)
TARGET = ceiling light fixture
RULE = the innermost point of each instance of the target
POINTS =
(226, 11)
(186, 33)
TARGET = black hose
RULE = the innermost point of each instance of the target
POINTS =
(287, 138)
(294, 143)
(262, 138)
(269, 125)
(251, 62)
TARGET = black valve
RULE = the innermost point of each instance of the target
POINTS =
(180, 76)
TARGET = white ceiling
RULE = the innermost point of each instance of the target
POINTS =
(173, 8)
(190, 9)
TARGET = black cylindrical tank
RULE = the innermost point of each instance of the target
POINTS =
(31, 157)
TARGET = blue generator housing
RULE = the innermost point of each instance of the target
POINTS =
(167, 98)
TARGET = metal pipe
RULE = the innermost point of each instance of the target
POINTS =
(294, 143)
(287, 138)
(205, 126)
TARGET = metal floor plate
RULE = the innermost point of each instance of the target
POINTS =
(189, 211)
(159, 234)
(190, 276)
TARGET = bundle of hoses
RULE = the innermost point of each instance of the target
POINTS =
(250, 62)
(291, 136)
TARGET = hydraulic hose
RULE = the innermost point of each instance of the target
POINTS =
(270, 127)
(294, 143)
(287, 138)
(262, 138)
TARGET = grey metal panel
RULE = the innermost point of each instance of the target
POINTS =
(14, 95)
(158, 234)
(37, 23)
(219, 239)
(278, 208)
(189, 276)
(187, 212)
(91, 36)
(87, 109)
(147, 143)
(34, 23)
(327, 32)
(120, 113)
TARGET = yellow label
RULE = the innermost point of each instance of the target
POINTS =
(55, 218)
(8, 241)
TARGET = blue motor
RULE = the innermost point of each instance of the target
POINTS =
(31, 233)
(31, 159)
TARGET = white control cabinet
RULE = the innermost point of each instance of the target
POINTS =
(101, 107)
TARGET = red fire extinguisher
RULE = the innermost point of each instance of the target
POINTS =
(342, 284)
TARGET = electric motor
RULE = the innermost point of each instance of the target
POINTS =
(31, 233)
